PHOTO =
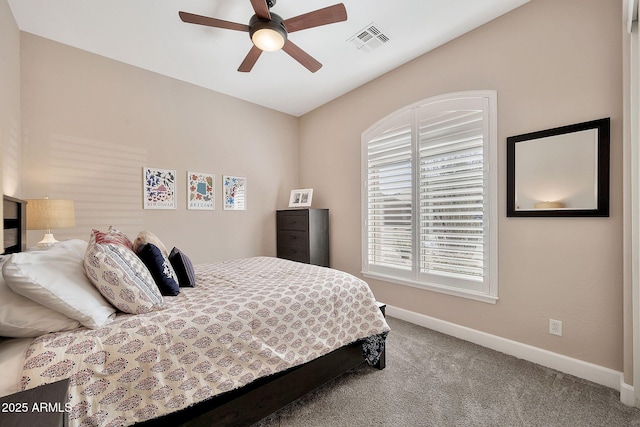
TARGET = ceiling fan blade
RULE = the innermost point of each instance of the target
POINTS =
(211, 22)
(261, 9)
(301, 56)
(328, 15)
(250, 60)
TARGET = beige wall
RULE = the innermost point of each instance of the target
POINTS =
(9, 100)
(108, 120)
(553, 63)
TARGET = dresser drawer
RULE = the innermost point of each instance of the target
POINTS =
(293, 221)
(294, 253)
(293, 238)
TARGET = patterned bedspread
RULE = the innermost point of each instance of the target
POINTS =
(244, 320)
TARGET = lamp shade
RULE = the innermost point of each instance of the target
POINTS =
(548, 205)
(47, 214)
(268, 40)
(268, 35)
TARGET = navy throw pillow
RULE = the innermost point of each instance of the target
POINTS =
(183, 267)
(160, 269)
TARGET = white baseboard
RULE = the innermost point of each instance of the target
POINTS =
(627, 395)
(588, 371)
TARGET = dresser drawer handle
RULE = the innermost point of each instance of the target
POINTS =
(291, 237)
(292, 251)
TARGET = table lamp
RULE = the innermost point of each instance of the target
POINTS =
(47, 214)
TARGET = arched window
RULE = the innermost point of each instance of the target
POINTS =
(429, 200)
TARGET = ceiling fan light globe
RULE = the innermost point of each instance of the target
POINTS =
(268, 40)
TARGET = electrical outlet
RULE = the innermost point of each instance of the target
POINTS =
(555, 327)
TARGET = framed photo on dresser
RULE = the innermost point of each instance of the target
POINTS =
(301, 198)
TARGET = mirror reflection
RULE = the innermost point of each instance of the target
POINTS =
(559, 172)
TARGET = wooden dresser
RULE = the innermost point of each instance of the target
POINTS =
(303, 235)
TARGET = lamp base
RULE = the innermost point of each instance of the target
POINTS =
(48, 240)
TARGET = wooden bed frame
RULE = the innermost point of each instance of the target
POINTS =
(240, 407)
(14, 225)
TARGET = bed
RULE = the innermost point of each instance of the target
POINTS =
(251, 336)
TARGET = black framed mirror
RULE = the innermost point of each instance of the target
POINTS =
(560, 172)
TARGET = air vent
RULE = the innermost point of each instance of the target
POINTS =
(369, 38)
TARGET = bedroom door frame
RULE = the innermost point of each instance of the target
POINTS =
(630, 395)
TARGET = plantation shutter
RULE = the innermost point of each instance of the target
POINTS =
(451, 194)
(389, 196)
(428, 202)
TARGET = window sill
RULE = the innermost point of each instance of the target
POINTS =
(491, 299)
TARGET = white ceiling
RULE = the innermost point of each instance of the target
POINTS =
(149, 34)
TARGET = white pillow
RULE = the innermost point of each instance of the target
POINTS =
(55, 277)
(145, 237)
(22, 318)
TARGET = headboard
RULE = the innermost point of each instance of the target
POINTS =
(15, 225)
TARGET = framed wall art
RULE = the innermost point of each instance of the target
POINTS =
(235, 193)
(159, 188)
(301, 198)
(200, 191)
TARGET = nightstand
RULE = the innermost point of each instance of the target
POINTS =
(39, 406)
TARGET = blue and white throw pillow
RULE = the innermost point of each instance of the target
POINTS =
(160, 269)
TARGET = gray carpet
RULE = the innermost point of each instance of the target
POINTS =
(433, 379)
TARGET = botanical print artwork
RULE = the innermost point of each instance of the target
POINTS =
(200, 190)
(235, 193)
(159, 188)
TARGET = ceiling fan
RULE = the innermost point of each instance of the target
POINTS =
(269, 32)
